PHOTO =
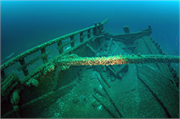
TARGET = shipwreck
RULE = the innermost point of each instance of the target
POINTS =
(91, 73)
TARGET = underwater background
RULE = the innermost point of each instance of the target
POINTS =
(25, 24)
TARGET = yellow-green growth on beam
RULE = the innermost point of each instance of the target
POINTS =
(118, 60)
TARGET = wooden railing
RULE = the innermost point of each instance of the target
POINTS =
(97, 30)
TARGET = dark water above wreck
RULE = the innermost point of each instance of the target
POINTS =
(26, 24)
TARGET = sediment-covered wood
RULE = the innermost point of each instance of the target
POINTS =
(36, 106)
(107, 105)
(32, 61)
(9, 84)
(163, 67)
(92, 49)
(162, 89)
(118, 60)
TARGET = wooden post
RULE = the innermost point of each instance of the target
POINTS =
(72, 38)
(149, 27)
(25, 70)
(3, 75)
(89, 35)
(126, 29)
(81, 38)
(60, 50)
(95, 29)
(43, 51)
(100, 29)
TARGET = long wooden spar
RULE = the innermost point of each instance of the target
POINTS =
(74, 60)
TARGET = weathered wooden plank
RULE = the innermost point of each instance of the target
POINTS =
(108, 106)
(140, 44)
(163, 67)
(106, 89)
(162, 88)
(92, 49)
(134, 34)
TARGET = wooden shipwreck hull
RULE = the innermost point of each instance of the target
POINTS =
(101, 75)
